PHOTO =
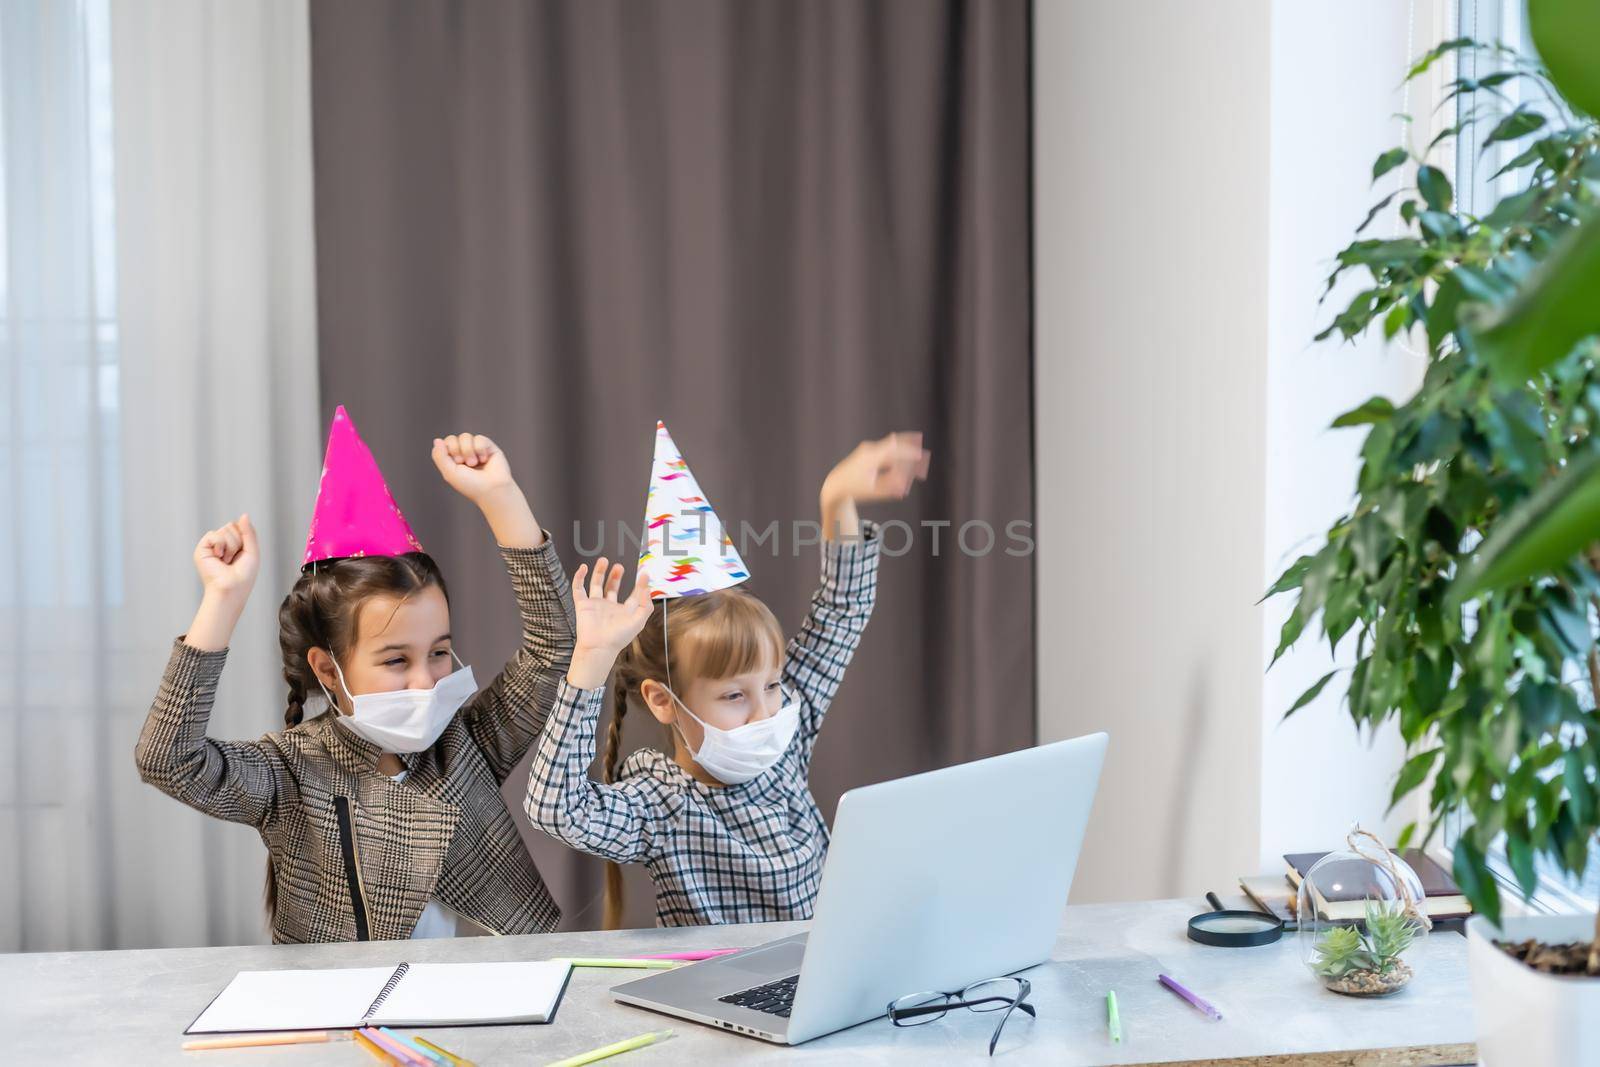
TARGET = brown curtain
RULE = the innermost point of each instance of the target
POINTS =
(782, 227)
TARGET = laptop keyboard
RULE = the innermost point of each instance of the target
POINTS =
(774, 998)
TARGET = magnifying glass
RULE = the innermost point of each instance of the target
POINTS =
(1234, 929)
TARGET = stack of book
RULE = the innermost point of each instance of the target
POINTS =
(1279, 896)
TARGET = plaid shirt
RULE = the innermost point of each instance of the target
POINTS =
(358, 855)
(717, 854)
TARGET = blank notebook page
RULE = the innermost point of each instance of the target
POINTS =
(293, 1000)
(475, 992)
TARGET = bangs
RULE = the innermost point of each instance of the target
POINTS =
(735, 634)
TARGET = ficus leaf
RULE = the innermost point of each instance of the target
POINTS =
(1520, 857)
(1388, 161)
(1555, 309)
(1565, 32)
(1310, 694)
(1290, 578)
(1414, 772)
(1540, 534)
(1434, 187)
(1375, 409)
(1519, 123)
(1428, 58)
(1472, 875)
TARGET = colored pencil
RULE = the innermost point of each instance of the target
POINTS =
(1193, 998)
(287, 1037)
(705, 954)
(395, 1049)
(446, 1053)
(410, 1045)
(374, 1051)
(607, 1051)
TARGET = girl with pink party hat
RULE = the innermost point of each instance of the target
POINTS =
(382, 813)
(724, 819)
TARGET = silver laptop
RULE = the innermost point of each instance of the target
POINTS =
(932, 882)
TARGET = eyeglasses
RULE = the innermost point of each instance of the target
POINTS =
(992, 994)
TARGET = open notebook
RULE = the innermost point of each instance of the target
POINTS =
(411, 994)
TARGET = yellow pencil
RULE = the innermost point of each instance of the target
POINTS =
(287, 1037)
(606, 1051)
(446, 1053)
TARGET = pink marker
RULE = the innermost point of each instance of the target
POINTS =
(706, 954)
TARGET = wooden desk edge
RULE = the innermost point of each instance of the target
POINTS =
(1408, 1056)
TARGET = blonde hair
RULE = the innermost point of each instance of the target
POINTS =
(713, 635)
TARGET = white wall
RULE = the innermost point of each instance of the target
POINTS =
(1336, 71)
(1196, 168)
(1151, 164)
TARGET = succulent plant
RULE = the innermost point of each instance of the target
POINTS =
(1375, 945)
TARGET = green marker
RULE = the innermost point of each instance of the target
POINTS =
(1113, 1021)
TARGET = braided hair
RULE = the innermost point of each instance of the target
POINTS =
(321, 612)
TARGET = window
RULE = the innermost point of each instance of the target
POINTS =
(58, 299)
(1477, 191)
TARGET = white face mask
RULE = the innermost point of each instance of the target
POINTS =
(406, 720)
(738, 755)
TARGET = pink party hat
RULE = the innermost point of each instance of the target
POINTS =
(685, 550)
(355, 514)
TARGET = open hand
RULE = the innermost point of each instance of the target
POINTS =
(228, 559)
(605, 623)
(473, 466)
(879, 470)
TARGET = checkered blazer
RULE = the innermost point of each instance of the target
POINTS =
(356, 854)
(717, 854)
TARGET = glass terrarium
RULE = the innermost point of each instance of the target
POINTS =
(1361, 916)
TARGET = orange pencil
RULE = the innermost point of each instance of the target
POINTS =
(288, 1037)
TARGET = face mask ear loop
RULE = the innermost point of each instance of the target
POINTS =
(342, 684)
(666, 654)
(459, 664)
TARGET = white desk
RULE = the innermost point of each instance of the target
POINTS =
(131, 1007)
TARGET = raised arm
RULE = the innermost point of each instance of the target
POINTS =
(237, 781)
(623, 822)
(505, 718)
(822, 648)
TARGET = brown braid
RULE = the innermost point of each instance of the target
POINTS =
(612, 919)
(295, 713)
(321, 612)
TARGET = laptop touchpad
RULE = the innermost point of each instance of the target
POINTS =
(779, 959)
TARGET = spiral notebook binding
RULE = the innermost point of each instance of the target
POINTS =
(383, 994)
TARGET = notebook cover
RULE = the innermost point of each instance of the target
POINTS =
(1436, 881)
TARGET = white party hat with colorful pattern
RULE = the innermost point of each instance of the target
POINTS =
(686, 551)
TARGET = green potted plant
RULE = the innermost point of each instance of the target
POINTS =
(1466, 577)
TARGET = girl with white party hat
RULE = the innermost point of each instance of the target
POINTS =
(381, 815)
(724, 820)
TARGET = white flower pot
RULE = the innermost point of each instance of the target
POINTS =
(1526, 1018)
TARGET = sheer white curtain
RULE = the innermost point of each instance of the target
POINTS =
(159, 367)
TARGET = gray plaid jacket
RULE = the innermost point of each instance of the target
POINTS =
(717, 854)
(356, 854)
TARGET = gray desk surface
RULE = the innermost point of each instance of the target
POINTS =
(131, 1006)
